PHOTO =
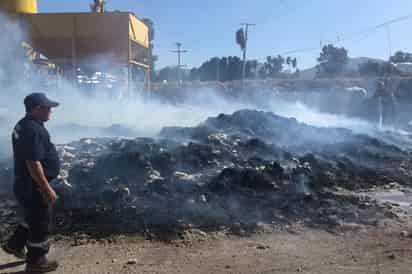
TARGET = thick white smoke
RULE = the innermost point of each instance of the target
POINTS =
(81, 115)
(145, 117)
(77, 108)
(311, 116)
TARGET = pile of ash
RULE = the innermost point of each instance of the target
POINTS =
(232, 173)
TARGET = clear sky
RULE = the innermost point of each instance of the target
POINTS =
(207, 27)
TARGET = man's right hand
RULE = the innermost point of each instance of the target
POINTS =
(36, 172)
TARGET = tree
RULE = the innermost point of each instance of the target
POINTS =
(194, 74)
(332, 61)
(224, 69)
(377, 69)
(288, 60)
(230, 69)
(294, 63)
(251, 69)
(241, 39)
(272, 67)
(98, 6)
(370, 68)
(291, 62)
(208, 71)
(234, 68)
(168, 74)
(401, 57)
(152, 58)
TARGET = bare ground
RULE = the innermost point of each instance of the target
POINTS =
(299, 250)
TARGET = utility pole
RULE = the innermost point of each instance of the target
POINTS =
(179, 52)
(218, 70)
(246, 30)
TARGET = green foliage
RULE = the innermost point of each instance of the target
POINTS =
(223, 69)
(288, 60)
(98, 6)
(401, 57)
(377, 69)
(294, 63)
(272, 67)
(291, 62)
(194, 74)
(332, 61)
(241, 38)
(251, 69)
(230, 69)
(170, 74)
(371, 68)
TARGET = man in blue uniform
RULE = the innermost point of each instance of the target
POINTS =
(36, 163)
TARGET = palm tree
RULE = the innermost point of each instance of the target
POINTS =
(294, 63)
(288, 60)
(98, 6)
(241, 41)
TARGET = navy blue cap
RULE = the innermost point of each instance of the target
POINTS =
(38, 100)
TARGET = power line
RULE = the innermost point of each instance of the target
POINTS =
(355, 35)
(376, 27)
(299, 51)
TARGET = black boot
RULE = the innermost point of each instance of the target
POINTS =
(15, 245)
(42, 265)
(18, 253)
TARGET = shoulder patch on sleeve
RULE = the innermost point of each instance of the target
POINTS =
(16, 134)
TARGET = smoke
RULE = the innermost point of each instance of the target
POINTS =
(313, 117)
(80, 111)
(106, 113)
(142, 116)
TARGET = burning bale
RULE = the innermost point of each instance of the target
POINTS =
(233, 172)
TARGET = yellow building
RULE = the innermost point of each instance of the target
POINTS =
(19, 6)
(72, 40)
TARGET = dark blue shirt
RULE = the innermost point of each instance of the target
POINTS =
(31, 141)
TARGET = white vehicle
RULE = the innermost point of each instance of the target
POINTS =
(357, 91)
(404, 68)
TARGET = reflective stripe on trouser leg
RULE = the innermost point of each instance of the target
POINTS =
(24, 224)
(43, 245)
(38, 244)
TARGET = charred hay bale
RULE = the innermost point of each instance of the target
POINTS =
(88, 146)
(185, 134)
(145, 146)
(194, 157)
(342, 172)
(165, 162)
(234, 178)
(130, 166)
(256, 147)
(109, 178)
(247, 123)
(250, 124)
(81, 174)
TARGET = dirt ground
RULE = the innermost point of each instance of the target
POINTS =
(301, 250)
